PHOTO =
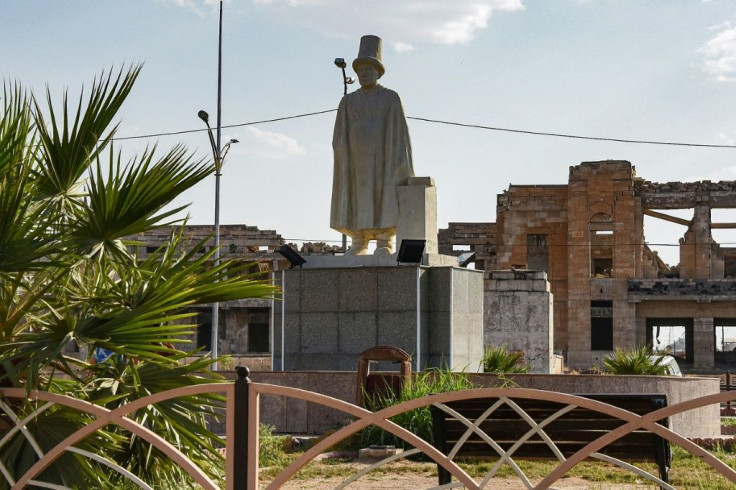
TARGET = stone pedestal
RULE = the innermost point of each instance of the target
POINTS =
(418, 212)
(328, 316)
(519, 315)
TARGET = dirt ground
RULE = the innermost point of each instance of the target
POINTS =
(403, 479)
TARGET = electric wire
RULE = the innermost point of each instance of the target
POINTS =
(448, 123)
(573, 136)
(510, 245)
(228, 126)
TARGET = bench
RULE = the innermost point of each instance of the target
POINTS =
(570, 432)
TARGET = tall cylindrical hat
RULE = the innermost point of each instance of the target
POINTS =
(370, 52)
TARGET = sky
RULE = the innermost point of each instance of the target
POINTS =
(657, 70)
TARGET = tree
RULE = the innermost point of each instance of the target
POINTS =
(68, 275)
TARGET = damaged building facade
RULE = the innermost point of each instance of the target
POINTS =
(609, 289)
(244, 325)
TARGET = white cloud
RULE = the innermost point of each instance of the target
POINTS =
(462, 29)
(404, 23)
(727, 139)
(194, 5)
(269, 145)
(402, 47)
(719, 27)
(725, 173)
(720, 56)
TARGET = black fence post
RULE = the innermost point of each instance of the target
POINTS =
(240, 445)
(728, 388)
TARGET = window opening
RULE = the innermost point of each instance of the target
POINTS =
(601, 325)
(537, 253)
(672, 336)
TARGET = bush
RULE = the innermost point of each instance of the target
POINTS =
(271, 448)
(417, 421)
(637, 361)
(501, 360)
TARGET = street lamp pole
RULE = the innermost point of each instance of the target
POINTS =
(214, 339)
(218, 156)
(346, 80)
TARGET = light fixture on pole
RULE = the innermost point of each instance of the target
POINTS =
(346, 80)
(218, 152)
(219, 155)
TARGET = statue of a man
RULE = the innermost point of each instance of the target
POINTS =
(372, 156)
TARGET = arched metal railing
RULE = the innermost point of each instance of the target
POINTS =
(364, 418)
(243, 418)
(101, 418)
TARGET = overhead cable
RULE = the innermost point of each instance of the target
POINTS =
(449, 123)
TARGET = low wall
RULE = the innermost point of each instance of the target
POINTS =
(702, 422)
(297, 416)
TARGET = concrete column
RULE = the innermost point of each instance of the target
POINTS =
(701, 230)
(641, 330)
(624, 324)
(704, 344)
(518, 314)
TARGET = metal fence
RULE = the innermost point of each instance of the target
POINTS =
(242, 434)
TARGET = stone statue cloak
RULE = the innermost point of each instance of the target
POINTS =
(372, 156)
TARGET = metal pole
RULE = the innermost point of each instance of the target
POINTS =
(242, 442)
(344, 92)
(215, 333)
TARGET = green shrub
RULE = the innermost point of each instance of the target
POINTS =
(271, 448)
(417, 421)
(501, 360)
(637, 361)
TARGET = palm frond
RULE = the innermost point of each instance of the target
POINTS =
(70, 144)
(23, 242)
(129, 200)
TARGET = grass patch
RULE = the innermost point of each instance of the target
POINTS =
(687, 471)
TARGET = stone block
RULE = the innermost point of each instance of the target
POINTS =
(319, 291)
(374, 454)
(439, 332)
(358, 331)
(397, 289)
(398, 329)
(319, 333)
(358, 289)
(291, 341)
(273, 410)
(440, 283)
(291, 291)
(475, 293)
(347, 361)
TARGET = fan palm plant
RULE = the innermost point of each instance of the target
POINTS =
(500, 360)
(69, 276)
(640, 360)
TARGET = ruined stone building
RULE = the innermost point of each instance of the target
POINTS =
(244, 325)
(610, 290)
